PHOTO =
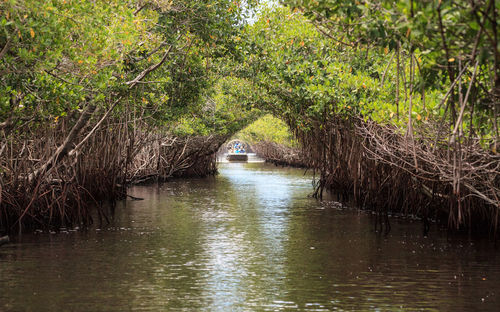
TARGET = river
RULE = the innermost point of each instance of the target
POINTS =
(249, 239)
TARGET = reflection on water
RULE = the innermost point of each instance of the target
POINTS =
(249, 239)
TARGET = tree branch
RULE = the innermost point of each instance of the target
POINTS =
(5, 48)
(151, 68)
(75, 150)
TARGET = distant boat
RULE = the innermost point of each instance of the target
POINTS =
(237, 157)
(237, 151)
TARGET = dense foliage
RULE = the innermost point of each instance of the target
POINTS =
(267, 129)
(438, 42)
(61, 56)
(371, 59)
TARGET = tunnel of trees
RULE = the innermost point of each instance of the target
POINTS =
(393, 103)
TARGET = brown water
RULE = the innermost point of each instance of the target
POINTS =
(248, 240)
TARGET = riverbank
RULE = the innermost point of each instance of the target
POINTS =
(390, 172)
(42, 189)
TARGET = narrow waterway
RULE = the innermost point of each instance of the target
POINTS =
(249, 239)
